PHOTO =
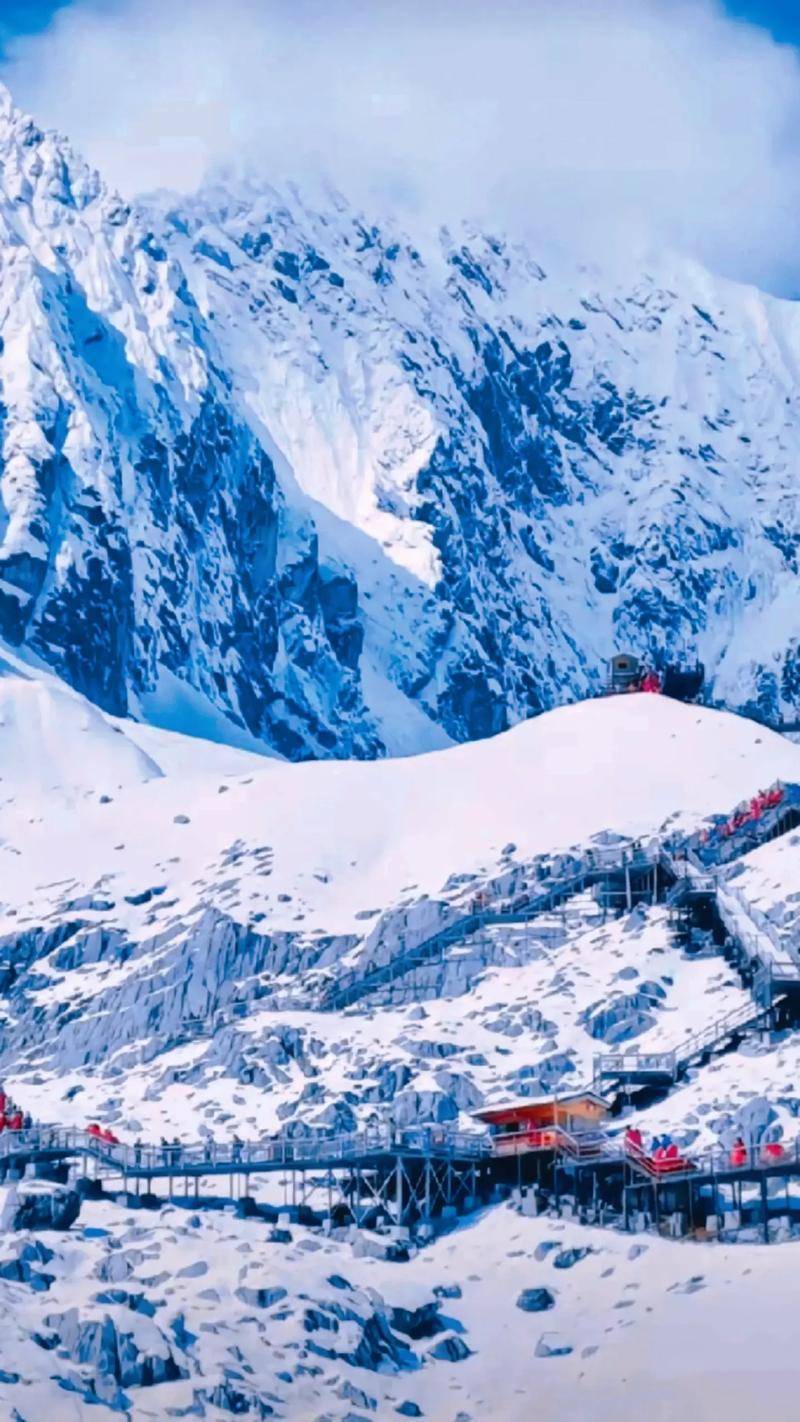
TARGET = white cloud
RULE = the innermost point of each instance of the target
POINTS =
(595, 120)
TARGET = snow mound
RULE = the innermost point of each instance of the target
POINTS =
(329, 844)
(623, 763)
(51, 739)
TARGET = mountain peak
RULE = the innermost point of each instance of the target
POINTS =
(430, 494)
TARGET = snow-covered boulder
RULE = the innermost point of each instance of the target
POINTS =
(138, 1355)
(39, 1205)
(552, 1345)
(428, 1105)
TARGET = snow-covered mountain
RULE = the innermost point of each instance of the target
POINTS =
(152, 883)
(554, 466)
(277, 477)
(169, 908)
(146, 551)
(274, 473)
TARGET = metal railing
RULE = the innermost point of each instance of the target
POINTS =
(358, 983)
(759, 1157)
(713, 849)
(669, 1065)
(691, 859)
(176, 1158)
(633, 1063)
(591, 1147)
(748, 1015)
(586, 1145)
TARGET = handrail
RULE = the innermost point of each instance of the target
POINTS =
(141, 1159)
(622, 1062)
(691, 867)
(354, 984)
(589, 1144)
(718, 1160)
(673, 1061)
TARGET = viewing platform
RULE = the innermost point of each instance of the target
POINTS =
(563, 1150)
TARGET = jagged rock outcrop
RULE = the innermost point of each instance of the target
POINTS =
(554, 462)
(536, 1300)
(279, 467)
(39, 1207)
(145, 542)
(114, 1358)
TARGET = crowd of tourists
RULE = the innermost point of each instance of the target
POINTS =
(749, 812)
(664, 1153)
(12, 1116)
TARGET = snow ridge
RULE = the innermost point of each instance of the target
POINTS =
(273, 472)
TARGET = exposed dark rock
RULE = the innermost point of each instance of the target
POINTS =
(260, 1298)
(422, 1322)
(111, 1353)
(26, 1208)
(280, 1236)
(450, 1350)
(566, 1258)
(230, 1396)
(536, 1300)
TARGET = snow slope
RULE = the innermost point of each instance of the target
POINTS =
(55, 744)
(163, 899)
(283, 487)
(344, 838)
(167, 877)
(527, 1024)
(152, 1314)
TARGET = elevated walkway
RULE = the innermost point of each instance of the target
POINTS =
(664, 1069)
(681, 870)
(691, 878)
(264, 1157)
(756, 947)
(619, 880)
(412, 1175)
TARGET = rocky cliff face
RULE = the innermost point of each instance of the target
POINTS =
(144, 539)
(559, 464)
(271, 467)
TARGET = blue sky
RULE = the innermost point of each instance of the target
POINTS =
(18, 16)
(780, 17)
